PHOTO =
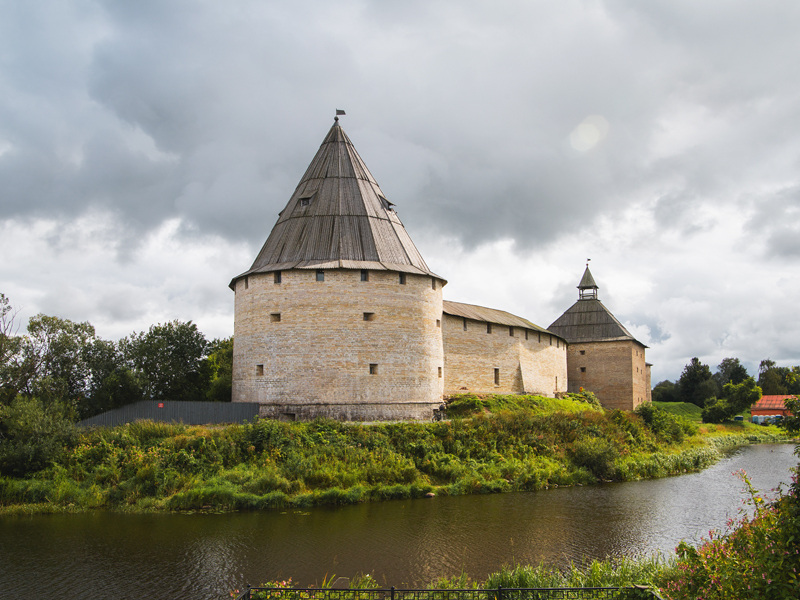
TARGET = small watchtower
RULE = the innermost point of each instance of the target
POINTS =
(602, 357)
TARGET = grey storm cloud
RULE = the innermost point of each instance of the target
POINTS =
(193, 109)
(775, 221)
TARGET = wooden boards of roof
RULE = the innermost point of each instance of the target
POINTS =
(489, 315)
(589, 321)
(339, 217)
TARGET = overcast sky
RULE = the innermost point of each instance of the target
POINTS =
(147, 147)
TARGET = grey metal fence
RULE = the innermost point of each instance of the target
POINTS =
(597, 593)
(190, 413)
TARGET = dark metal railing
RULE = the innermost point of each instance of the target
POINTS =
(500, 593)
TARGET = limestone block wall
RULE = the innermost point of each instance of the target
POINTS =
(614, 371)
(498, 362)
(341, 347)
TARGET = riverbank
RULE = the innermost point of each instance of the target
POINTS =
(755, 556)
(497, 445)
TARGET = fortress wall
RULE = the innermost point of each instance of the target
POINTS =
(316, 360)
(641, 376)
(537, 365)
(614, 371)
(544, 365)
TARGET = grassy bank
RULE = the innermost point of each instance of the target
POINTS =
(497, 444)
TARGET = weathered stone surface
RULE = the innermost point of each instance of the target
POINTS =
(536, 365)
(323, 356)
(615, 371)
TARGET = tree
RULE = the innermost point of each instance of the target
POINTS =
(792, 380)
(771, 378)
(112, 383)
(54, 358)
(47, 362)
(696, 383)
(168, 360)
(791, 423)
(666, 391)
(220, 362)
(730, 370)
(7, 329)
(737, 398)
(33, 434)
(765, 365)
(772, 385)
(11, 379)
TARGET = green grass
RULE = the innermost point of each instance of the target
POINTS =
(692, 411)
(462, 405)
(621, 572)
(683, 409)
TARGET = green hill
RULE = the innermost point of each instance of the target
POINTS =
(684, 409)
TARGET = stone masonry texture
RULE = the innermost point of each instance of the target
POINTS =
(304, 348)
(615, 371)
(536, 365)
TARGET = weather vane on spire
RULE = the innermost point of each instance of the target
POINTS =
(587, 262)
(339, 111)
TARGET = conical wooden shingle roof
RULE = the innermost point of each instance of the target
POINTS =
(338, 218)
(588, 320)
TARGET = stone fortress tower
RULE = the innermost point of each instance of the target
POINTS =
(339, 316)
(602, 356)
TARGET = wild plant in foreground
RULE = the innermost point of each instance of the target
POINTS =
(759, 556)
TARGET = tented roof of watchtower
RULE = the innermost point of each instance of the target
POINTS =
(587, 281)
(588, 320)
(338, 218)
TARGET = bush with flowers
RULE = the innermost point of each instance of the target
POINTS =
(758, 557)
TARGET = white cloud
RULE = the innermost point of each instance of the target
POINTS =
(73, 269)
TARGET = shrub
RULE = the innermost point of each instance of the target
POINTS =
(736, 398)
(147, 432)
(757, 558)
(460, 406)
(596, 454)
(33, 435)
(587, 397)
(666, 426)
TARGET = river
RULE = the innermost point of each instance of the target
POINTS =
(105, 555)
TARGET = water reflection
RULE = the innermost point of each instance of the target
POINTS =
(108, 555)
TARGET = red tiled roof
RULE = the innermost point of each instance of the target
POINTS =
(771, 402)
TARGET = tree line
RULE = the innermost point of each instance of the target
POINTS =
(63, 363)
(728, 391)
